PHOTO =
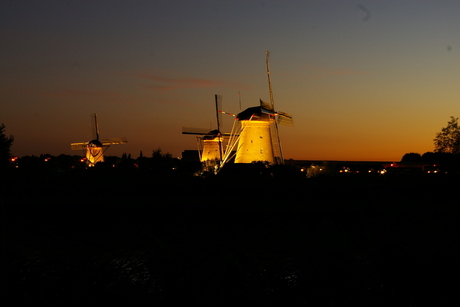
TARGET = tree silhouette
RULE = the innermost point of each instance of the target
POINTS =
(448, 140)
(411, 157)
(161, 162)
(5, 147)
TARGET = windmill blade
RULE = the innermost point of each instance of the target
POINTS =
(195, 131)
(78, 146)
(265, 106)
(231, 114)
(285, 119)
(276, 144)
(94, 127)
(218, 101)
(272, 102)
(114, 141)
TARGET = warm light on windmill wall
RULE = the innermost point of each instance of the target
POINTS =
(255, 142)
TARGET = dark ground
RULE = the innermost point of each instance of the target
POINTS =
(121, 239)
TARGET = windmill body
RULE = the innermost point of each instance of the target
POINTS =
(94, 152)
(255, 141)
(209, 147)
(211, 150)
(255, 133)
(210, 143)
(94, 149)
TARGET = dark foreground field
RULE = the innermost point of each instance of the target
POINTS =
(127, 240)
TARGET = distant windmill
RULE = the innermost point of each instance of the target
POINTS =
(210, 142)
(255, 133)
(94, 149)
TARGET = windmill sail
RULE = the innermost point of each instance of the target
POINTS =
(285, 119)
(114, 141)
(78, 146)
(265, 106)
(94, 127)
(218, 101)
(276, 145)
(196, 131)
(272, 102)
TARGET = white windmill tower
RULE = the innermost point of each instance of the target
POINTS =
(94, 149)
(210, 142)
(255, 133)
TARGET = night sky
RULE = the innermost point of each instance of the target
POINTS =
(363, 80)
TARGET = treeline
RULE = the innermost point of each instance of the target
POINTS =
(158, 162)
(443, 160)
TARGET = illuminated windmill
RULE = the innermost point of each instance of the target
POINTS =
(94, 149)
(255, 133)
(210, 143)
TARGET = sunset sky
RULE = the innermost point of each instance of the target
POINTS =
(363, 80)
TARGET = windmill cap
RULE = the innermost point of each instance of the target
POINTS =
(253, 112)
(94, 143)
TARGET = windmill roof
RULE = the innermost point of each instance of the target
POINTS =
(256, 112)
(263, 108)
(95, 143)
